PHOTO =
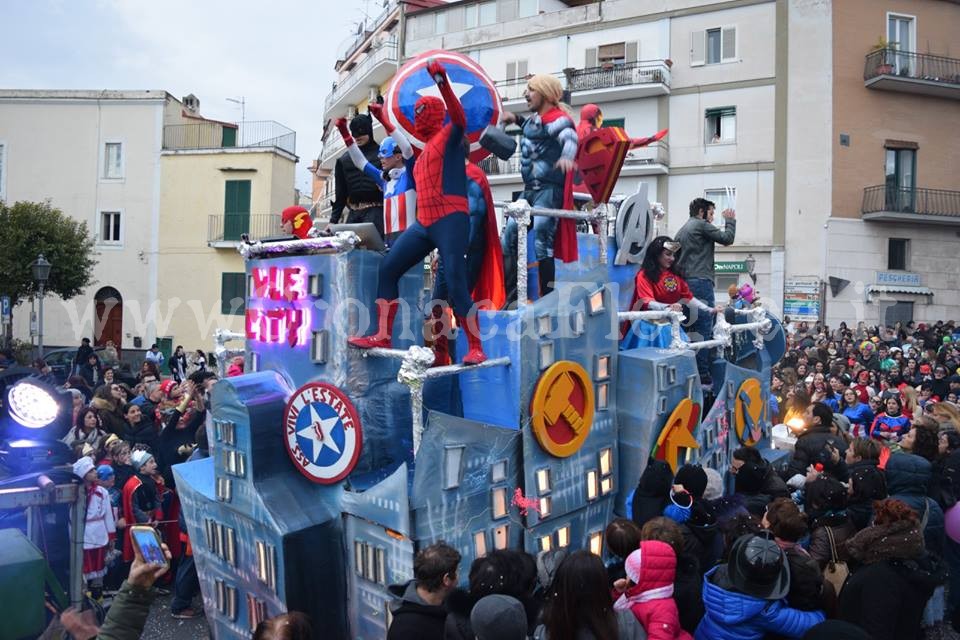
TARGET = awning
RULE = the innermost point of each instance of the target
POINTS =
(899, 288)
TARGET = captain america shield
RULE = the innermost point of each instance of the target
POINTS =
(470, 83)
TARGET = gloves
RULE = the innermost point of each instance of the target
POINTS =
(376, 110)
(436, 71)
(341, 125)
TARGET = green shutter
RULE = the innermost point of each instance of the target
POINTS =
(232, 286)
(614, 122)
(236, 209)
(229, 137)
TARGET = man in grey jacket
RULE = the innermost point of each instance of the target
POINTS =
(697, 237)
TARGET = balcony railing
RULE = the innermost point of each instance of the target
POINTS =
(655, 153)
(619, 75)
(937, 203)
(494, 166)
(387, 52)
(324, 205)
(908, 64)
(228, 227)
(214, 135)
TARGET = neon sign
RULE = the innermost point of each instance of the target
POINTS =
(281, 324)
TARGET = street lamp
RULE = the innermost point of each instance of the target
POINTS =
(41, 273)
(751, 264)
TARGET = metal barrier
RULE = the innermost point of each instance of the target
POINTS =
(416, 368)
(220, 339)
(723, 331)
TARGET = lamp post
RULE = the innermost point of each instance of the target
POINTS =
(41, 273)
(751, 263)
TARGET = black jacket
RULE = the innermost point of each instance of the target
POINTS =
(701, 536)
(171, 439)
(352, 184)
(412, 619)
(887, 598)
(687, 592)
(811, 448)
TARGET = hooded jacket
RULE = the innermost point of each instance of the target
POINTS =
(413, 619)
(736, 616)
(653, 492)
(701, 535)
(651, 597)
(908, 479)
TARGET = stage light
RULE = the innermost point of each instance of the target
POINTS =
(32, 406)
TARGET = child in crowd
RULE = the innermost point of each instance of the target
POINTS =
(99, 529)
(648, 591)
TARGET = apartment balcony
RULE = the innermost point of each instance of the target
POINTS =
(256, 134)
(651, 160)
(376, 68)
(333, 146)
(916, 206)
(618, 82)
(224, 229)
(910, 72)
(324, 205)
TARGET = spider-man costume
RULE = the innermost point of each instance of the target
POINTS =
(442, 220)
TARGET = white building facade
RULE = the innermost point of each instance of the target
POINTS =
(95, 155)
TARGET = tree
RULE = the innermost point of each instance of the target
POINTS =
(31, 228)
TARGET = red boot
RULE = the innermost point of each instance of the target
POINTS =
(383, 338)
(441, 344)
(471, 326)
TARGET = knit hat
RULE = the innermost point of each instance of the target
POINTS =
(693, 478)
(714, 488)
(105, 472)
(167, 386)
(499, 617)
(140, 458)
(361, 125)
(82, 467)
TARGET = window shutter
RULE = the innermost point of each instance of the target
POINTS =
(591, 58)
(728, 125)
(698, 48)
(728, 45)
(521, 69)
(632, 52)
(508, 10)
(511, 71)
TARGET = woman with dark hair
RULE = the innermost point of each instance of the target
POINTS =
(579, 607)
(506, 572)
(149, 372)
(107, 407)
(622, 538)
(78, 383)
(200, 360)
(923, 439)
(825, 503)
(286, 626)
(658, 286)
(178, 364)
(687, 584)
(86, 429)
(890, 425)
(887, 594)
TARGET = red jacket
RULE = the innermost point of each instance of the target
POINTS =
(651, 597)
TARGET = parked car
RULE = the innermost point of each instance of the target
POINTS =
(60, 362)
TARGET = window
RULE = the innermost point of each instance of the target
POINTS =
(615, 53)
(901, 37)
(499, 503)
(498, 471)
(546, 354)
(471, 20)
(614, 122)
(226, 597)
(894, 311)
(722, 281)
(603, 396)
(527, 8)
(900, 180)
(601, 368)
(230, 545)
(381, 573)
(721, 125)
(226, 432)
(545, 507)
(563, 537)
(235, 463)
(897, 249)
(596, 543)
(233, 292)
(110, 227)
(440, 22)
(256, 611)
(480, 544)
(320, 346)
(592, 489)
(545, 543)
(113, 160)
(224, 489)
(500, 536)
(543, 481)
(452, 459)
(606, 461)
(713, 46)
(488, 13)
(266, 564)
(516, 70)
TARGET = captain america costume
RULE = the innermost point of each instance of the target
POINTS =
(442, 220)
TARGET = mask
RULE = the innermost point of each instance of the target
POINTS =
(429, 112)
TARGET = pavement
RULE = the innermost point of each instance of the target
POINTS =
(162, 626)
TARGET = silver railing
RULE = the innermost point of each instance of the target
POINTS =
(723, 331)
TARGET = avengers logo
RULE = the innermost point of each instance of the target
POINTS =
(322, 432)
(634, 228)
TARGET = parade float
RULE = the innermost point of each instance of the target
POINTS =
(331, 466)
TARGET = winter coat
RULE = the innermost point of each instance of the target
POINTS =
(653, 492)
(688, 592)
(172, 438)
(806, 578)
(842, 529)
(887, 598)
(77, 436)
(145, 431)
(736, 616)
(627, 629)
(811, 447)
(651, 598)
(110, 416)
(908, 480)
(899, 541)
(701, 536)
(945, 486)
(128, 614)
(413, 619)
(869, 485)
(460, 603)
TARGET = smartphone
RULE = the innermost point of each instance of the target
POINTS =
(147, 541)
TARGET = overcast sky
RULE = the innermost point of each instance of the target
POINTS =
(278, 55)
